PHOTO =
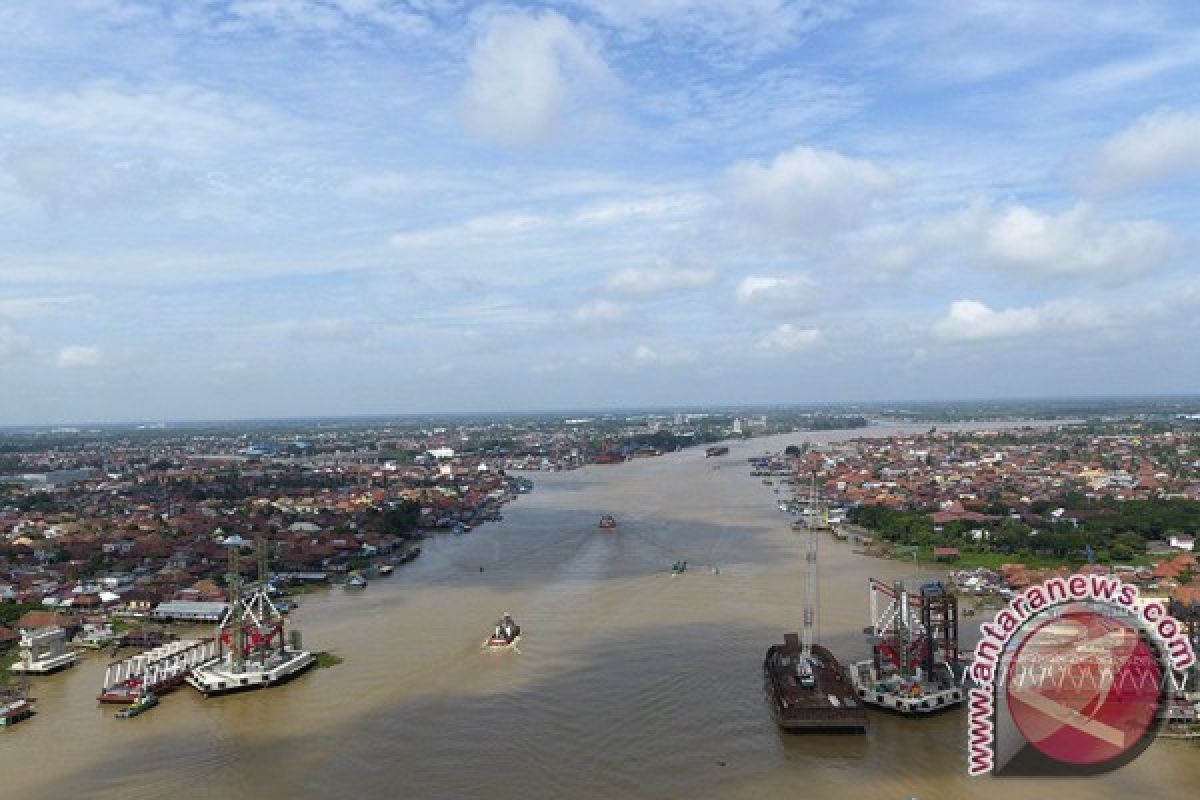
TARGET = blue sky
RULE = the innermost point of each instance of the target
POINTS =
(230, 208)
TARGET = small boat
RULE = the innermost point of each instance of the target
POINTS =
(386, 569)
(505, 635)
(139, 706)
(15, 706)
(607, 522)
(355, 581)
(678, 568)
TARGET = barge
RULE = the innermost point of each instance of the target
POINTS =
(810, 693)
(915, 668)
(807, 687)
(156, 671)
(253, 651)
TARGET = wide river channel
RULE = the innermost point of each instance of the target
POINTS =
(630, 683)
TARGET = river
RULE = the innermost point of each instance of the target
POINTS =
(630, 683)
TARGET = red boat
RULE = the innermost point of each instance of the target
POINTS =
(13, 709)
(133, 689)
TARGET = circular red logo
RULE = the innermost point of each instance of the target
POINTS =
(1084, 688)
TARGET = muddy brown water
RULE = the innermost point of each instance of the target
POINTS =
(630, 683)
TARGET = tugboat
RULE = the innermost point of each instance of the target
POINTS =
(505, 635)
(807, 688)
(914, 668)
(138, 706)
(15, 706)
(607, 522)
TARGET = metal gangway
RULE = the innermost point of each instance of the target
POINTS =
(163, 663)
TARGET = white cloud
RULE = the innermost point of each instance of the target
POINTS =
(534, 77)
(181, 119)
(788, 339)
(78, 356)
(660, 280)
(723, 30)
(1073, 243)
(972, 321)
(806, 191)
(1158, 146)
(598, 311)
(775, 291)
(645, 355)
(653, 208)
(11, 343)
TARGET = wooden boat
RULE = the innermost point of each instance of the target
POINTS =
(138, 706)
(607, 522)
(15, 706)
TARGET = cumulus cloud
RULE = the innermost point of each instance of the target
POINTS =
(1073, 243)
(806, 191)
(660, 280)
(535, 76)
(973, 321)
(780, 292)
(598, 312)
(787, 338)
(1158, 146)
(78, 356)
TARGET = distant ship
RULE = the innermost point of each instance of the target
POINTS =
(712, 452)
(506, 633)
(807, 688)
(607, 522)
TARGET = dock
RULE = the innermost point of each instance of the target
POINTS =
(43, 651)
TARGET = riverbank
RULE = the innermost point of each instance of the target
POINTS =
(630, 683)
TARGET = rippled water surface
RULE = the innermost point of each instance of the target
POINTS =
(630, 683)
